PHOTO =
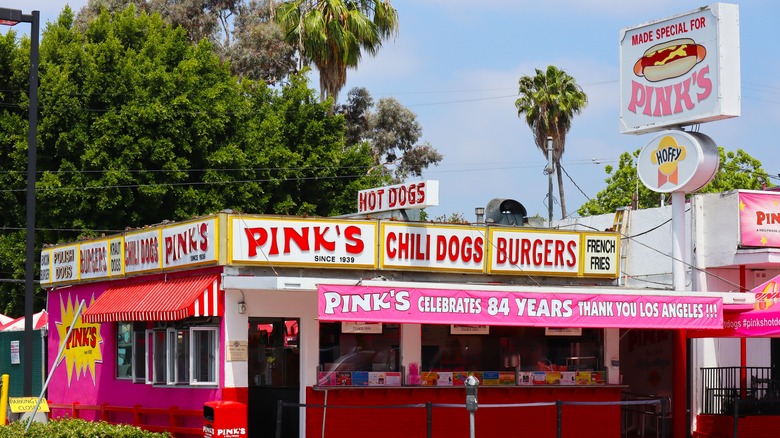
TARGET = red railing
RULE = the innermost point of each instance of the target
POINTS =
(179, 422)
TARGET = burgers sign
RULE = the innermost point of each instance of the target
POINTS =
(681, 70)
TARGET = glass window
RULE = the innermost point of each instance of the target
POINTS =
(359, 351)
(124, 350)
(179, 351)
(139, 354)
(159, 357)
(177, 355)
(205, 356)
(511, 348)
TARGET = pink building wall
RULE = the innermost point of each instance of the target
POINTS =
(86, 370)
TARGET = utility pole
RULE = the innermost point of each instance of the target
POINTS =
(549, 171)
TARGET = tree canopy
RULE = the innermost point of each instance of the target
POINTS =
(736, 170)
(392, 132)
(241, 32)
(548, 101)
(138, 125)
(334, 34)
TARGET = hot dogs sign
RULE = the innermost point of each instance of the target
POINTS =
(680, 70)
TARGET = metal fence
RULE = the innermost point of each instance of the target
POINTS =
(645, 416)
(755, 389)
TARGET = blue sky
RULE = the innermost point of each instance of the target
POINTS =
(456, 64)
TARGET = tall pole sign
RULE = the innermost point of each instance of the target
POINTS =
(11, 17)
(675, 72)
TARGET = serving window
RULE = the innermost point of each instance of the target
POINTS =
(496, 355)
(366, 354)
(506, 348)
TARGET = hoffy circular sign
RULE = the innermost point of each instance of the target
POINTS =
(678, 161)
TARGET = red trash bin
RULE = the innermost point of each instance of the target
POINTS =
(224, 419)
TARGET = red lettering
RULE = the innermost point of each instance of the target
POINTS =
(320, 241)
(256, 237)
(501, 250)
(389, 245)
(404, 242)
(572, 247)
(467, 249)
(441, 248)
(559, 247)
(525, 250)
(478, 249)
(301, 240)
(547, 250)
(421, 193)
(93, 337)
(454, 248)
(354, 244)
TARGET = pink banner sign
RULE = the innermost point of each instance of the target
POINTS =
(759, 219)
(545, 308)
(761, 319)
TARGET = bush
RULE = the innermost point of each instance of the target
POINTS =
(76, 428)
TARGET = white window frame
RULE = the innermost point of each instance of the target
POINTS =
(169, 339)
(213, 355)
(152, 362)
(136, 378)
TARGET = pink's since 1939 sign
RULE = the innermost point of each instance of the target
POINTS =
(759, 219)
(524, 307)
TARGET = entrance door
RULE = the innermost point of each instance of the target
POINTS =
(274, 374)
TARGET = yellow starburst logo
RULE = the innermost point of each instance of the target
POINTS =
(82, 350)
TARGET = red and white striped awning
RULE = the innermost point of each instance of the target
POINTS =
(171, 299)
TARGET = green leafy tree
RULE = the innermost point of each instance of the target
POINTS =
(334, 34)
(14, 86)
(548, 101)
(392, 132)
(241, 32)
(138, 126)
(736, 170)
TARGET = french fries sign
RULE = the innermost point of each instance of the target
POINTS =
(680, 70)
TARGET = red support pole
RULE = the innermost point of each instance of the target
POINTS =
(680, 385)
(742, 341)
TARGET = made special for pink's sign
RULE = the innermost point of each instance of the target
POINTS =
(759, 219)
(546, 308)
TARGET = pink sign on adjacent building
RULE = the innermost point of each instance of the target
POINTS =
(759, 219)
(543, 308)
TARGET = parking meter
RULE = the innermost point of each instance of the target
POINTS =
(472, 384)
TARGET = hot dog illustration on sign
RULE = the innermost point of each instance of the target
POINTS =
(669, 59)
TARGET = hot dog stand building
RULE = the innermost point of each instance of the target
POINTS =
(352, 312)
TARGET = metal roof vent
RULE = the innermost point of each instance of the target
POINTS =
(506, 212)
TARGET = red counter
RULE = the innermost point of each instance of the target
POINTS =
(578, 421)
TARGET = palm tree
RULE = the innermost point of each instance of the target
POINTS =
(334, 33)
(549, 100)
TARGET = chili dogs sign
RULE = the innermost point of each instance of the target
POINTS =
(680, 70)
(526, 306)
